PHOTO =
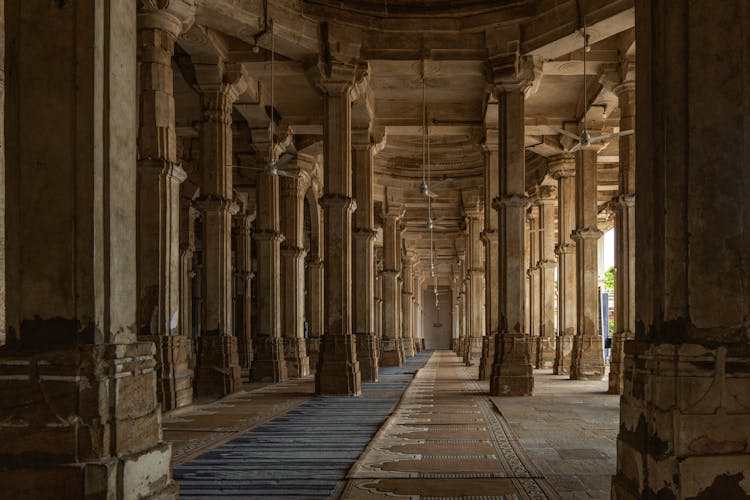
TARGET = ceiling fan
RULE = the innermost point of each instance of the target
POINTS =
(586, 139)
(426, 188)
(273, 167)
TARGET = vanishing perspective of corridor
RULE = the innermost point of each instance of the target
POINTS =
(358, 249)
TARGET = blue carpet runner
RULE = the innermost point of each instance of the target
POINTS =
(305, 453)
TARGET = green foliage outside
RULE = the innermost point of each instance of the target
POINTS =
(609, 279)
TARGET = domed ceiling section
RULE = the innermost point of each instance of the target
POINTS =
(417, 8)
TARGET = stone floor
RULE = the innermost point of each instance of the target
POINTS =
(445, 439)
(569, 429)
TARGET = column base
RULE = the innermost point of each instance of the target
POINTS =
(313, 352)
(488, 357)
(587, 358)
(218, 367)
(174, 378)
(367, 355)
(408, 346)
(245, 353)
(295, 355)
(563, 350)
(473, 350)
(392, 352)
(454, 344)
(338, 371)
(545, 353)
(83, 422)
(269, 364)
(533, 349)
(417, 346)
(512, 374)
(616, 362)
(683, 421)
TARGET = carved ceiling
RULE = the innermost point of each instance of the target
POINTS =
(403, 41)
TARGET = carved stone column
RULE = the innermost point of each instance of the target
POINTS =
(364, 234)
(338, 369)
(158, 207)
(392, 343)
(455, 315)
(293, 272)
(315, 315)
(532, 273)
(475, 272)
(80, 416)
(685, 407)
(563, 169)
(588, 357)
(545, 356)
(512, 371)
(269, 363)
(378, 266)
(188, 273)
(218, 369)
(463, 305)
(407, 306)
(491, 251)
(417, 304)
(243, 285)
(624, 241)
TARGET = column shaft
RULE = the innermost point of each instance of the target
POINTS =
(624, 241)
(532, 292)
(512, 371)
(490, 238)
(218, 369)
(391, 343)
(293, 274)
(562, 168)
(407, 306)
(588, 358)
(80, 416)
(338, 370)
(684, 412)
(364, 258)
(546, 268)
(475, 273)
(243, 279)
(158, 208)
(269, 363)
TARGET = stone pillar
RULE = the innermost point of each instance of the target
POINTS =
(463, 306)
(416, 299)
(315, 314)
(685, 407)
(364, 255)
(188, 216)
(378, 266)
(293, 272)
(490, 239)
(243, 284)
(269, 363)
(407, 307)
(338, 368)
(563, 169)
(218, 367)
(546, 265)
(475, 273)
(512, 372)
(158, 207)
(624, 240)
(532, 273)
(455, 316)
(587, 361)
(80, 416)
(391, 343)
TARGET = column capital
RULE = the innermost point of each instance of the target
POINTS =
(489, 236)
(215, 203)
(565, 248)
(546, 195)
(338, 201)
(332, 78)
(296, 252)
(364, 234)
(586, 233)
(393, 210)
(561, 166)
(511, 201)
(170, 16)
(624, 88)
(626, 200)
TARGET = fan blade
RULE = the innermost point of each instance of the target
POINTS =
(575, 148)
(440, 183)
(432, 195)
(244, 167)
(435, 221)
(569, 134)
(284, 173)
(607, 137)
